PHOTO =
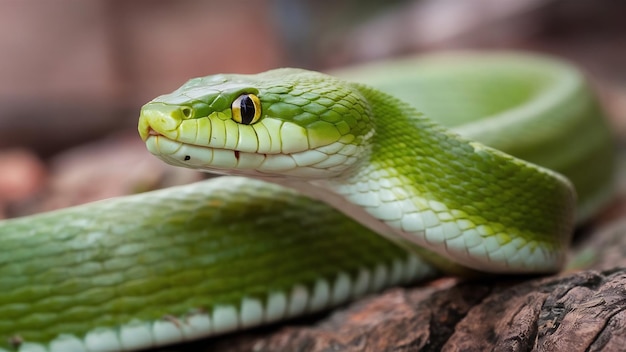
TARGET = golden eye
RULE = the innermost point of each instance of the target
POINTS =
(246, 109)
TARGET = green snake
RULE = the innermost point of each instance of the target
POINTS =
(236, 252)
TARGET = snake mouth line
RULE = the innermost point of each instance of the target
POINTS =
(221, 160)
(153, 132)
(237, 153)
(315, 163)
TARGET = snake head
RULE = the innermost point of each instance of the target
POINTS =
(285, 122)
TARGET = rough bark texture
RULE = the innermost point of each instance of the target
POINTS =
(584, 311)
(573, 311)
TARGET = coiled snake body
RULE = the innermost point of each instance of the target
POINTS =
(236, 252)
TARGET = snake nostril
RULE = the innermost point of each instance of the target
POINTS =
(187, 112)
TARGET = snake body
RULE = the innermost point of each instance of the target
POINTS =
(235, 252)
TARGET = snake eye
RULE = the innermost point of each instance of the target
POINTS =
(246, 109)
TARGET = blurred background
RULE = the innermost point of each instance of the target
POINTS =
(74, 73)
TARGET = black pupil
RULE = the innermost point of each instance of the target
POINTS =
(247, 110)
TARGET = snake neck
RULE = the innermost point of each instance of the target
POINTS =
(462, 200)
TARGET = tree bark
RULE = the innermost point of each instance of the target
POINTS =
(572, 311)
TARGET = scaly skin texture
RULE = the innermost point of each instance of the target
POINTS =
(465, 201)
(230, 253)
(127, 261)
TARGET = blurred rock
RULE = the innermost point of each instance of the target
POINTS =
(22, 175)
(55, 50)
(614, 99)
(58, 81)
(435, 24)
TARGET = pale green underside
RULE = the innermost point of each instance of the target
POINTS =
(145, 270)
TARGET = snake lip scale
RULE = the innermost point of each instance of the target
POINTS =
(153, 133)
(353, 161)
